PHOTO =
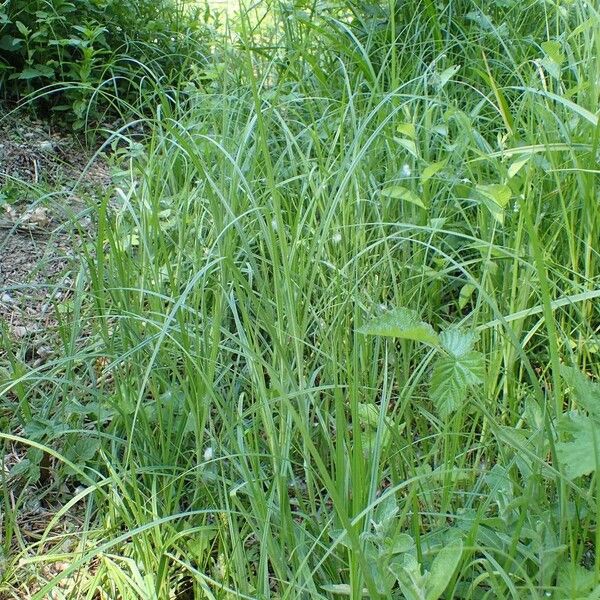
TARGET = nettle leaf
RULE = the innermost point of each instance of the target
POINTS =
(579, 448)
(580, 454)
(401, 323)
(399, 192)
(451, 378)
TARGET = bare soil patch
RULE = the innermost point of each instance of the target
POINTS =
(45, 174)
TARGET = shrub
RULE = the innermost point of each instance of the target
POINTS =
(80, 55)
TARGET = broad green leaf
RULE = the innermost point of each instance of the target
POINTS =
(465, 294)
(517, 165)
(442, 569)
(23, 30)
(402, 193)
(586, 391)
(581, 453)
(441, 79)
(10, 43)
(401, 323)
(500, 194)
(407, 129)
(407, 571)
(457, 342)
(399, 543)
(37, 71)
(496, 198)
(430, 170)
(451, 378)
(553, 50)
(385, 512)
(408, 145)
(341, 589)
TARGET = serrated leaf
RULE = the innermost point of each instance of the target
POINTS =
(457, 342)
(401, 323)
(401, 193)
(442, 569)
(452, 377)
(83, 450)
(574, 581)
(580, 454)
(430, 170)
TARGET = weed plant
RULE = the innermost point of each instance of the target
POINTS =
(338, 334)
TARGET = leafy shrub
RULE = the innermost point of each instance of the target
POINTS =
(86, 50)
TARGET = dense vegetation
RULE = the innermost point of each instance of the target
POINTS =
(89, 59)
(338, 331)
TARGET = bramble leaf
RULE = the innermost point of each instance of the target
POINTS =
(401, 323)
(452, 376)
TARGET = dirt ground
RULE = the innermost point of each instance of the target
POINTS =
(47, 179)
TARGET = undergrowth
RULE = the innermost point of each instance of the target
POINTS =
(338, 332)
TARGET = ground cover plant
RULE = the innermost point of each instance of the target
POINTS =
(335, 329)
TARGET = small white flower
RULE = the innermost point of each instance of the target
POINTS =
(274, 225)
(336, 238)
(208, 454)
(406, 170)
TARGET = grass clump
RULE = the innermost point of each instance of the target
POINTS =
(338, 334)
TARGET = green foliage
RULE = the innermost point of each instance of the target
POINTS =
(245, 440)
(82, 57)
(402, 323)
(579, 452)
(457, 368)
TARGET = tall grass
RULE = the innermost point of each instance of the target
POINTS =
(248, 441)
